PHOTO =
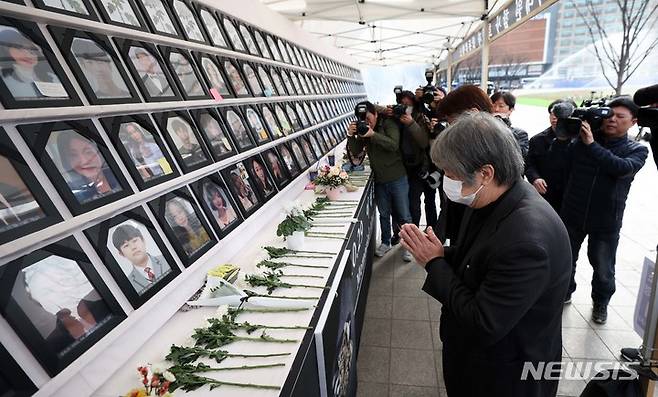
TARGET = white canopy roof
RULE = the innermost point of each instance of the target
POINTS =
(388, 32)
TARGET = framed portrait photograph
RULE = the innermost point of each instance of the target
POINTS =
(299, 155)
(214, 133)
(291, 53)
(249, 42)
(315, 145)
(214, 76)
(308, 81)
(181, 219)
(235, 78)
(256, 126)
(298, 55)
(317, 114)
(218, 204)
(141, 148)
(213, 30)
(77, 8)
(282, 50)
(238, 128)
(295, 82)
(285, 76)
(159, 17)
(57, 303)
(243, 188)
(148, 70)
(14, 382)
(77, 162)
(271, 123)
(274, 50)
(134, 253)
(185, 72)
(189, 23)
(96, 66)
(261, 178)
(262, 44)
(278, 170)
(278, 83)
(284, 122)
(31, 75)
(183, 139)
(268, 86)
(294, 119)
(306, 148)
(252, 79)
(24, 206)
(123, 13)
(234, 37)
(326, 140)
(302, 115)
(288, 159)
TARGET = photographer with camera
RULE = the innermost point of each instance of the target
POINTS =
(547, 163)
(381, 138)
(503, 106)
(603, 166)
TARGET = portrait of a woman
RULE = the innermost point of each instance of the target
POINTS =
(216, 200)
(82, 166)
(263, 180)
(244, 191)
(187, 227)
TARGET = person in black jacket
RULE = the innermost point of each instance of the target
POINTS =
(502, 286)
(547, 163)
(603, 167)
(503, 106)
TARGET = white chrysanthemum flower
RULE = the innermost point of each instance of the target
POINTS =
(169, 376)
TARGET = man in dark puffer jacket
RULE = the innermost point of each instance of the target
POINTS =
(595, 197)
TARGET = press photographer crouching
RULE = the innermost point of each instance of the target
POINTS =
(501, 286)
(547, 163)
(604, 163)
(381, 138)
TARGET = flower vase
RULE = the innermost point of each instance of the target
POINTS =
(333, 193)
(296, 241)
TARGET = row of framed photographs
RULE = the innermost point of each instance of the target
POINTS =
(57, 302)
(32, 77)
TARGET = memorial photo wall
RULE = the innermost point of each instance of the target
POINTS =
(55, 298)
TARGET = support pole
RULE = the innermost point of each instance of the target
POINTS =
(485, 56)
(449, 72)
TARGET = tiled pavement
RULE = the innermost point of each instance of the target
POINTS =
(400, 351)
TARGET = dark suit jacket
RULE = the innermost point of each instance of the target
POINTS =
(502, 305)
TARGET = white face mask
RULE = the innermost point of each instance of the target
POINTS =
(453, 189)
(409, 110)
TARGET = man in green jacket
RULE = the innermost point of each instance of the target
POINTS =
(382, 143)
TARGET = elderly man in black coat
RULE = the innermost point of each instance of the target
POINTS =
(503, 287)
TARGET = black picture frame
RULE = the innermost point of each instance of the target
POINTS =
(237, 80)
(269, 88)
(100, 238)
(291, 53)
(318, 150)
(249, 200)
(205, 63)
(305, 144)
(159, 206)
(278, 170)
(271, 45)
(248, 39)
(233, 35)
(288, 158)
(202, 189)
(91, 14)
(282, 118)
(285, 57)
(295, 122)
(51, 350)
(288, 84)
(299, 155)
(249, 71)
(275, 75)
(215, 32)
(200, 157)
(294, 78)
(256, 124)
(242, 137)
(215, 143)
(65, 39)
(165, 169)
(138, 23)
(27, 33)
(202, 91)
(14, 382)
(261, 43)
(14, 196)
(167, 27)
(125, 48)
(264, 183)
(194, 23)
(271, 121)
(302, 116)
(38, 136)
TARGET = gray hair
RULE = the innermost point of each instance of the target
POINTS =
(474, 140)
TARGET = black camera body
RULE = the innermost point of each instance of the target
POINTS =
(438, 129)
(591, 111)
(431, 177)
(361, 124)
(428, 90)
(399, 110)
(398, 93)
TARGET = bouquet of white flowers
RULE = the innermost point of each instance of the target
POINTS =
(331, 177)
(295, 220)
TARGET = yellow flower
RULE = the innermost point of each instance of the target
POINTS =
(137, 393)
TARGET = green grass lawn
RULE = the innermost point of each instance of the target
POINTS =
(534, 101)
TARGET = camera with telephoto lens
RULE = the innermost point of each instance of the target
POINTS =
(429, 89)
(438, 129)
(646, 98)
(594, 112)
(398, 93)
(361, 124)
(432, 177)
(399, 110)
